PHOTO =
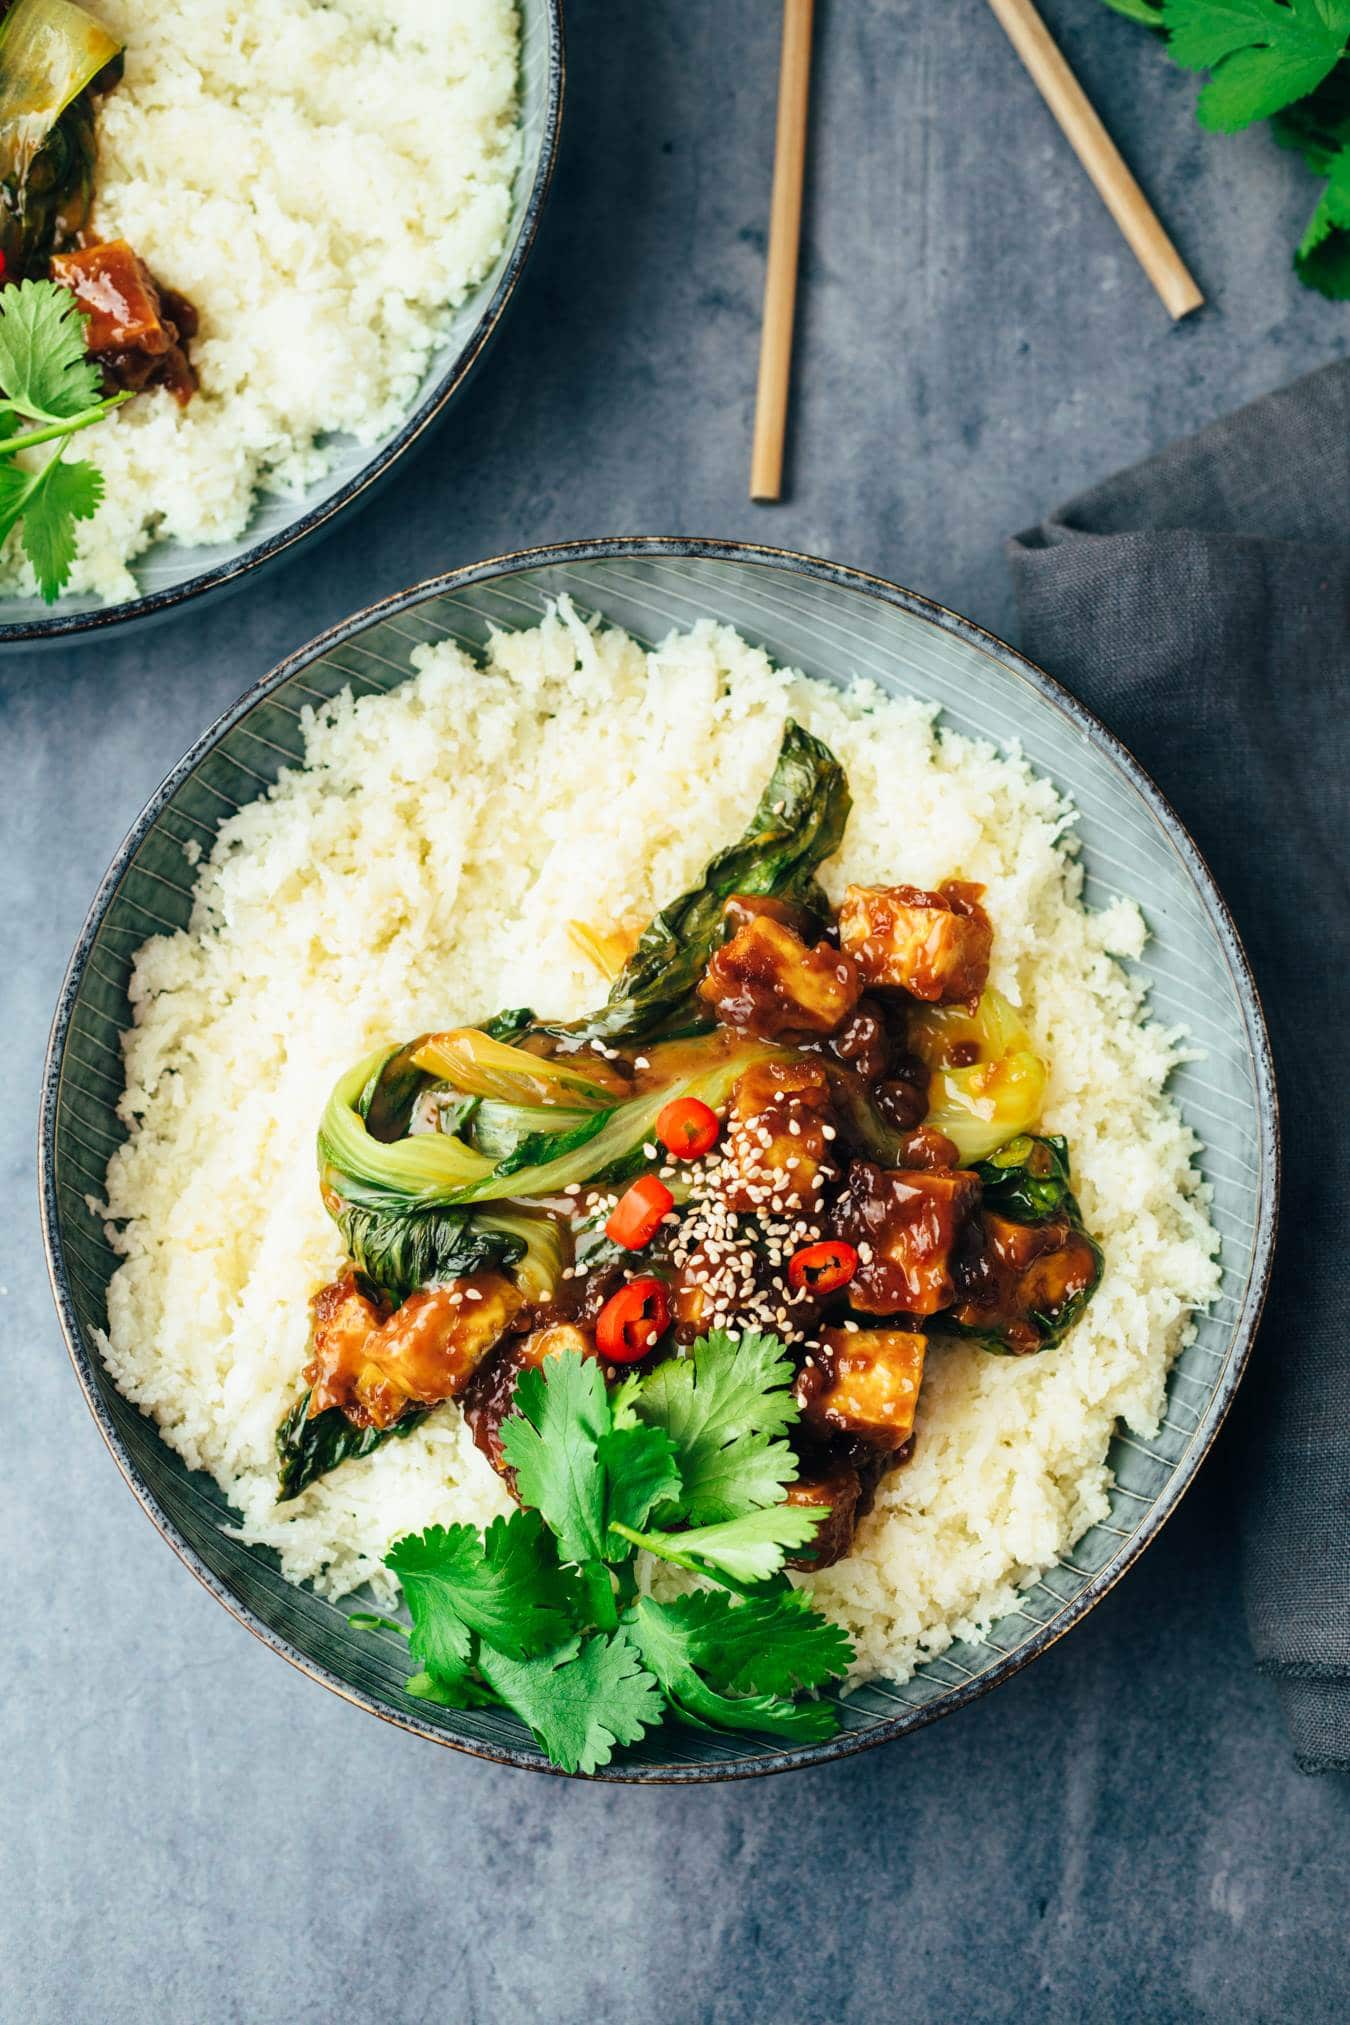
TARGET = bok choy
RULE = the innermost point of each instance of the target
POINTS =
(51, 52)
(799, 823)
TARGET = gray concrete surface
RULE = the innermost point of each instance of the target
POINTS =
(192, 1832)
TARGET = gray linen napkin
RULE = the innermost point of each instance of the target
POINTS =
(1200, 603)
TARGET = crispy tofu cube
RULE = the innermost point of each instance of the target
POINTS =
(864, 1383)
(114, 290)
(779, 1139)
(935, 946)
(904, 1224)
(839, 1487)
(766, 981)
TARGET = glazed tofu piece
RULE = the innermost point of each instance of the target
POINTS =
(766, 981)
(904, 1224)
(838, 1486)
(864, 1383)
(135, 328)
(489, 1398)
(935, 946)
(372, 1363)
(779, 1139)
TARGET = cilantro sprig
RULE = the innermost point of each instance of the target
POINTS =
(1284, 61)
(49, 384)
(542, 1612)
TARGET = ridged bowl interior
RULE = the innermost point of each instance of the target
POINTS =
(833, 624)
(169, 572)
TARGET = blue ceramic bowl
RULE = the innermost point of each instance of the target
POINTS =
(832, 623)
(170, 573)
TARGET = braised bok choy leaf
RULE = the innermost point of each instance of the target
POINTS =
(50, 53)
(799, 823)
(308, 1448)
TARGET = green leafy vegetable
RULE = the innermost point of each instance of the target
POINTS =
(724, 1407)
(1027, 1182)
(403, 1249)
(1028, 1179)
(581, 1701)
(1282, 60)
(506, 1587)
(51, 52)
(307, 1449)
(46, 380)
(799, 823)
(749, 1548)
(552, 1443)
(673, 1647)
(543, 1613)
(1264, 54)
(435, 1169)
(758, 1644)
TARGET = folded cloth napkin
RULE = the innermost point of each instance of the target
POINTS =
(1200, 603)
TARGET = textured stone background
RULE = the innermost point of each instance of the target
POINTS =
(192, 1832)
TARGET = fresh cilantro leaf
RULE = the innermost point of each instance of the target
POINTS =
(43, 367)
(464, 1692)
(665, 1642)
(748, 1549)
(581, 1700)
(1318, 127)
(507, 1587)
(425, 1564)
(551, 1442)
(1264, 54)
(639, 1465)
(762, 1644)
(16, 485)
(722, 1407)
(63, 494)
(1323, 256)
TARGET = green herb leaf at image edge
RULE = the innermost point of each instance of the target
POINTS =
(46, 380)
(1263, 54)
(1286, 63)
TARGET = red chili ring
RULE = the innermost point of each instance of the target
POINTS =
(633, 1321)
(636, 1217)
(822, 1268)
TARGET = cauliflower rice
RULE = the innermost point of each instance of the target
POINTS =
(420, 872)
(325, 183)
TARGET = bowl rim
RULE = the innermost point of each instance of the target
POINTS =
(54, 625)
(883, 591)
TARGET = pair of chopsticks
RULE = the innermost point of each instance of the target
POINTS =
(1085, 134)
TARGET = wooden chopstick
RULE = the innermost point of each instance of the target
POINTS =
(1100, 157)
(785, 226)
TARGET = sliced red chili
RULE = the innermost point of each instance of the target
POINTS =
(632, 1321)
(823, 1268)
(688, 1128)
(636, 1216)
